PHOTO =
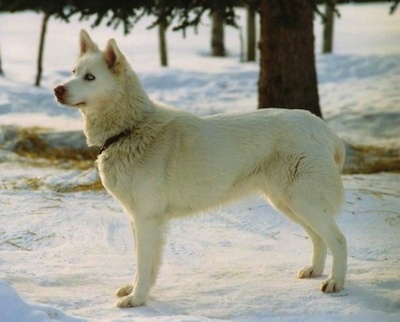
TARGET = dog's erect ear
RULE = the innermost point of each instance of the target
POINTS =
(113, 55)
(86, 43)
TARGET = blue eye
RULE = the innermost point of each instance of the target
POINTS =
(89, 77)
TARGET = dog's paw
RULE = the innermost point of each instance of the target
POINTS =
(130, 301)
(331, 285)
(309, 271)
(124, 290)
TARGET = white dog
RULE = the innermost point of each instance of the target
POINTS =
(161, 163)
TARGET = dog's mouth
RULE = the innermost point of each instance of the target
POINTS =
(63, 102)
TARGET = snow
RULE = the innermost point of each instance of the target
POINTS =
(65, 247)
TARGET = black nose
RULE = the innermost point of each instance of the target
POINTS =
(59, 91)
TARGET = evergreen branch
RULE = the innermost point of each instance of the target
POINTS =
(394, 6)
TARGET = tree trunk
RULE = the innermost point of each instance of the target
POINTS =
(327, 39)
(251, 34)
(1, 67)
(217, 34)
(287, 63)
(162, 30)
(45, 19)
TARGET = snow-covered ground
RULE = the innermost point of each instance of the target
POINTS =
(65, 247)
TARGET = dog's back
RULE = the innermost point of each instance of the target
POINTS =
(203, 162)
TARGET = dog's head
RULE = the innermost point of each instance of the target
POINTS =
(95, 77)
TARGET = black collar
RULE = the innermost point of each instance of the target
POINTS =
(115, 139)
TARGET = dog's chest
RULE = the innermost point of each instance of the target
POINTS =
(114, 173)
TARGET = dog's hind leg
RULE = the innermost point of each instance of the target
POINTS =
(321, 221)
(317, 265)
(149, 235)
(337, 244)
(319, 249)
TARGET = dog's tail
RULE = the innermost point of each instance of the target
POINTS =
(339, 154)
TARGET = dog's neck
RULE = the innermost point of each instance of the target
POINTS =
(114, 139)
(125, 114)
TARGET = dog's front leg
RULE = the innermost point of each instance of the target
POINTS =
(149, 240)
(128, 288)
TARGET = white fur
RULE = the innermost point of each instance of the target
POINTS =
(175, 164)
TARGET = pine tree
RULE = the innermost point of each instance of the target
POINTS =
(251, 34)
(287, 64)
(162, 37)
(45, 19)
(328, 20)
(217, 33)
(48, 8)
